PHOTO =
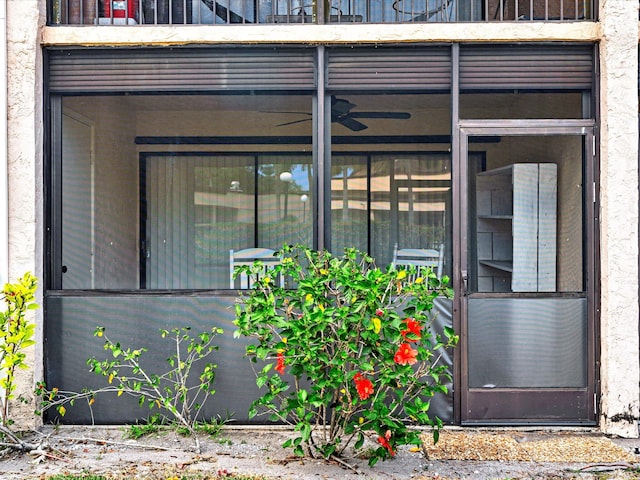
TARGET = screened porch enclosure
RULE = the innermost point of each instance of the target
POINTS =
(181, 210)
(157, 186)
(187, 192)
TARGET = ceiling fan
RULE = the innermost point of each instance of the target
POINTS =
(341, 113)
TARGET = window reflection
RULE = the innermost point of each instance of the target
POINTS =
(384, 201)
(238, 202)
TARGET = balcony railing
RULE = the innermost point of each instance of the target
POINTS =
(220, 12)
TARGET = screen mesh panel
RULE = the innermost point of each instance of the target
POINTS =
(135, 321)
(525, 343)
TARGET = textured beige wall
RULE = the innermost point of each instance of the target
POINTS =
(24, 146)
(618, 32)
(619, 217)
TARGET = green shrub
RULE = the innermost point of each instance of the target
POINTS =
(16, 334)
(347, 352)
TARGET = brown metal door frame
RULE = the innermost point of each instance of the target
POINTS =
(547, 401)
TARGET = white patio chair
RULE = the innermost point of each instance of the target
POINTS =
(420, 257)
(247, 257)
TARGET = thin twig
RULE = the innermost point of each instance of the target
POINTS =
(43, 453)
(345, 464)
(113, 442)
(605, 466)
(15, 442)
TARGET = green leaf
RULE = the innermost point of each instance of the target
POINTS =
(305, 432)
(366, 366)
(262, 352)
(302, 395)
(449, 332)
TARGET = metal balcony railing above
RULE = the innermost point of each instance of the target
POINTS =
(220, 12)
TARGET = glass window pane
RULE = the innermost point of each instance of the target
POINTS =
(195, 211)
(391, 174)
(224, 216)
(157, 189)
(384, 203)
(349, 203)
(410, 207)
(284, 201)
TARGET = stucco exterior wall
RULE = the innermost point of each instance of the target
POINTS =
(617, 32)
(24, 167)
(619, 217)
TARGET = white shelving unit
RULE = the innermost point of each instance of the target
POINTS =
(516, 228)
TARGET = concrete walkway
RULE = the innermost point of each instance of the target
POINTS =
(461, 453)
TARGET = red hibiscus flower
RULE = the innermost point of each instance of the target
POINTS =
(384, 441)
(413, 328)
(405, 355)
(280, 364)
(363, 386)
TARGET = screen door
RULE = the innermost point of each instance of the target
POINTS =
(525, 292)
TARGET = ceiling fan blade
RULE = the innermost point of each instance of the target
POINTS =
(294, 122)
(396, 115)
(284, 111)
(340, 106)
(351, 124)
(341, 113)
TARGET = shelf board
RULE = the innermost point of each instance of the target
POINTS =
(504, 265)
(496, 217)
(506, 170)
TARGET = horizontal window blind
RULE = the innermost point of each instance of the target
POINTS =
(385, 68)
(180, 70)
(482, 67)
(535, 67)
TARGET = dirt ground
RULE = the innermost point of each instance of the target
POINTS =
(476, 454)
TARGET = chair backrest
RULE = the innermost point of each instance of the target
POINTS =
(420, 257)
(247, 257)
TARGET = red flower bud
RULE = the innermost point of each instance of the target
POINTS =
(280, 364)
(384, 441)
(413, 330)
(363, 386)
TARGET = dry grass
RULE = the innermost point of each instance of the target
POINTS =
(525, 447)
